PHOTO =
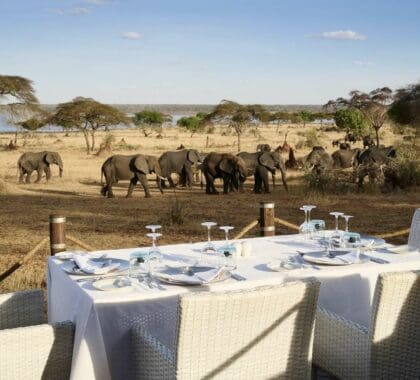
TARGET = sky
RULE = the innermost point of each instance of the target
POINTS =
(203, 51)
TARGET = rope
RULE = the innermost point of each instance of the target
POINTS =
(79, 243)
(286, 224)
(247, 228)
(19, 263)
(395, 234)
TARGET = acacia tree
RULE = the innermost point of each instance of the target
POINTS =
(236, 115)
(351, 119)
(87, 115)
(193, 124)
(405, 109)
(373, 105)
(18, 95)
(150, 119)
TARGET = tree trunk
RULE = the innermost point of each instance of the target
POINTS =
(92, 134)
(239, 142)
(85, 134)
(377, 136)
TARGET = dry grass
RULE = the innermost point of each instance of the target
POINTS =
(115, 223)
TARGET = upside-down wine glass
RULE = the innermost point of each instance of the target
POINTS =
(335, 238)
(346, 218)
(305, 228)
(227, 249)
(209, 247)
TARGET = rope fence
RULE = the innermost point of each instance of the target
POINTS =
(57, 238)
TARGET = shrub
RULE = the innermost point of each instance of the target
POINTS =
(108, 140)
(211, 129)
(334, 182)
(176, 214)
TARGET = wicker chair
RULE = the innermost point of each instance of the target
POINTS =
(389, 349)
(414, 236)
(253, 334)
(29, 349)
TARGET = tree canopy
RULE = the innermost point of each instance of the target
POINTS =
(193, 124)
(150, 119)
(373, 105)
(19, 89)
(87, 115)
(351, 119)
(238, 116)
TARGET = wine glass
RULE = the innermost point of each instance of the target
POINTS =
(305, 228)
(209, 247)
(154, 252)
(335, 238)
(309, 208)
(138, 265)
(153, 227)
(346, 218)
(318, 227)
(227, 249)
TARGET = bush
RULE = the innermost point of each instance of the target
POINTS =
(211, 129)
(177, 213)
(108, 140)
(330, 182)
(311, 138)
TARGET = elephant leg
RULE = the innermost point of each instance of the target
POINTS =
(283, 179)
(226, 183)
(171, 181)
(143, 180)
(47, 171)
(109, 188)
(104, 190)
(265, 180)
(189, 180)
(39, 171)
(28, 175)
(210, 189)
(21, 174)
(131, 186)
(257, 183)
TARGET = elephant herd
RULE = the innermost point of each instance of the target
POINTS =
(366, 162)
(232, 169)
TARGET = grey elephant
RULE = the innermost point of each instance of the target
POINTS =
(344, 158)
(39, 161)
(180, 162)
(232, 169)
(371, 162)
(134, 168)
(318, 159)
(259, 164)
(263, 148)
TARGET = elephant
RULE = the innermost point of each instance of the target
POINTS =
(259, 164)
(180, 162)
(344, 146)
(370, 162)
(350, 137)
(39, 161)
(343, 158)
(336, 143)
(232, 169)
(134, 168)
(263, 148)
(368, 142)
(318, 159)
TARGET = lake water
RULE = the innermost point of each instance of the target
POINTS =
(6, 127)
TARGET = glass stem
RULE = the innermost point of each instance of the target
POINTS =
(347, 225)
(336, 223)
(208, 234)
(306, 216)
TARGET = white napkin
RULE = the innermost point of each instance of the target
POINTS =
(348, 258)
(94, 267)
(198, 278)
(298, 246)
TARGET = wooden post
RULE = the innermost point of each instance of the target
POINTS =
(266, 220)
(57, 234)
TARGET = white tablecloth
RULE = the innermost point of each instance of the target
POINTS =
(103, 319)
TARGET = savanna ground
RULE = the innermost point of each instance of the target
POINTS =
(119, 222)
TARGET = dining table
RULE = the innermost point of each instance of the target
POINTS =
(103, 319)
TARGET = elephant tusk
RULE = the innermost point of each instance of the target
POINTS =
(162, 178)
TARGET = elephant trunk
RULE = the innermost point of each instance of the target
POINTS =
(61, 171)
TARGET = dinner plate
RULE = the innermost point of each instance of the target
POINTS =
(112, 284)
(320, 259)
(70, 267)
(68, 255)
(164, 275)
(402, 249)
(370, 241)
(281, 265)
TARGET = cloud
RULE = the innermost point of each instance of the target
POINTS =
(131, 35)
(363, 63)
(77, 11)
(342, 35)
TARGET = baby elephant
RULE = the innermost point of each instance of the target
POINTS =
(134, 168)
(39, 161)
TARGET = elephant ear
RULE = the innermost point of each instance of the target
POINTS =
(267, 160)
(193, 156)
(226, 165)
(49, 158)
(140, 163)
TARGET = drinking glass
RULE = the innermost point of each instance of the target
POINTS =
(318, 227)
(309, 208)
(352, 240)
(227, 249)
(139, 265)
(209, 247)
(154, 253)
(346, 218)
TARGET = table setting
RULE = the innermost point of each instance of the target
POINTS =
(113, 290)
